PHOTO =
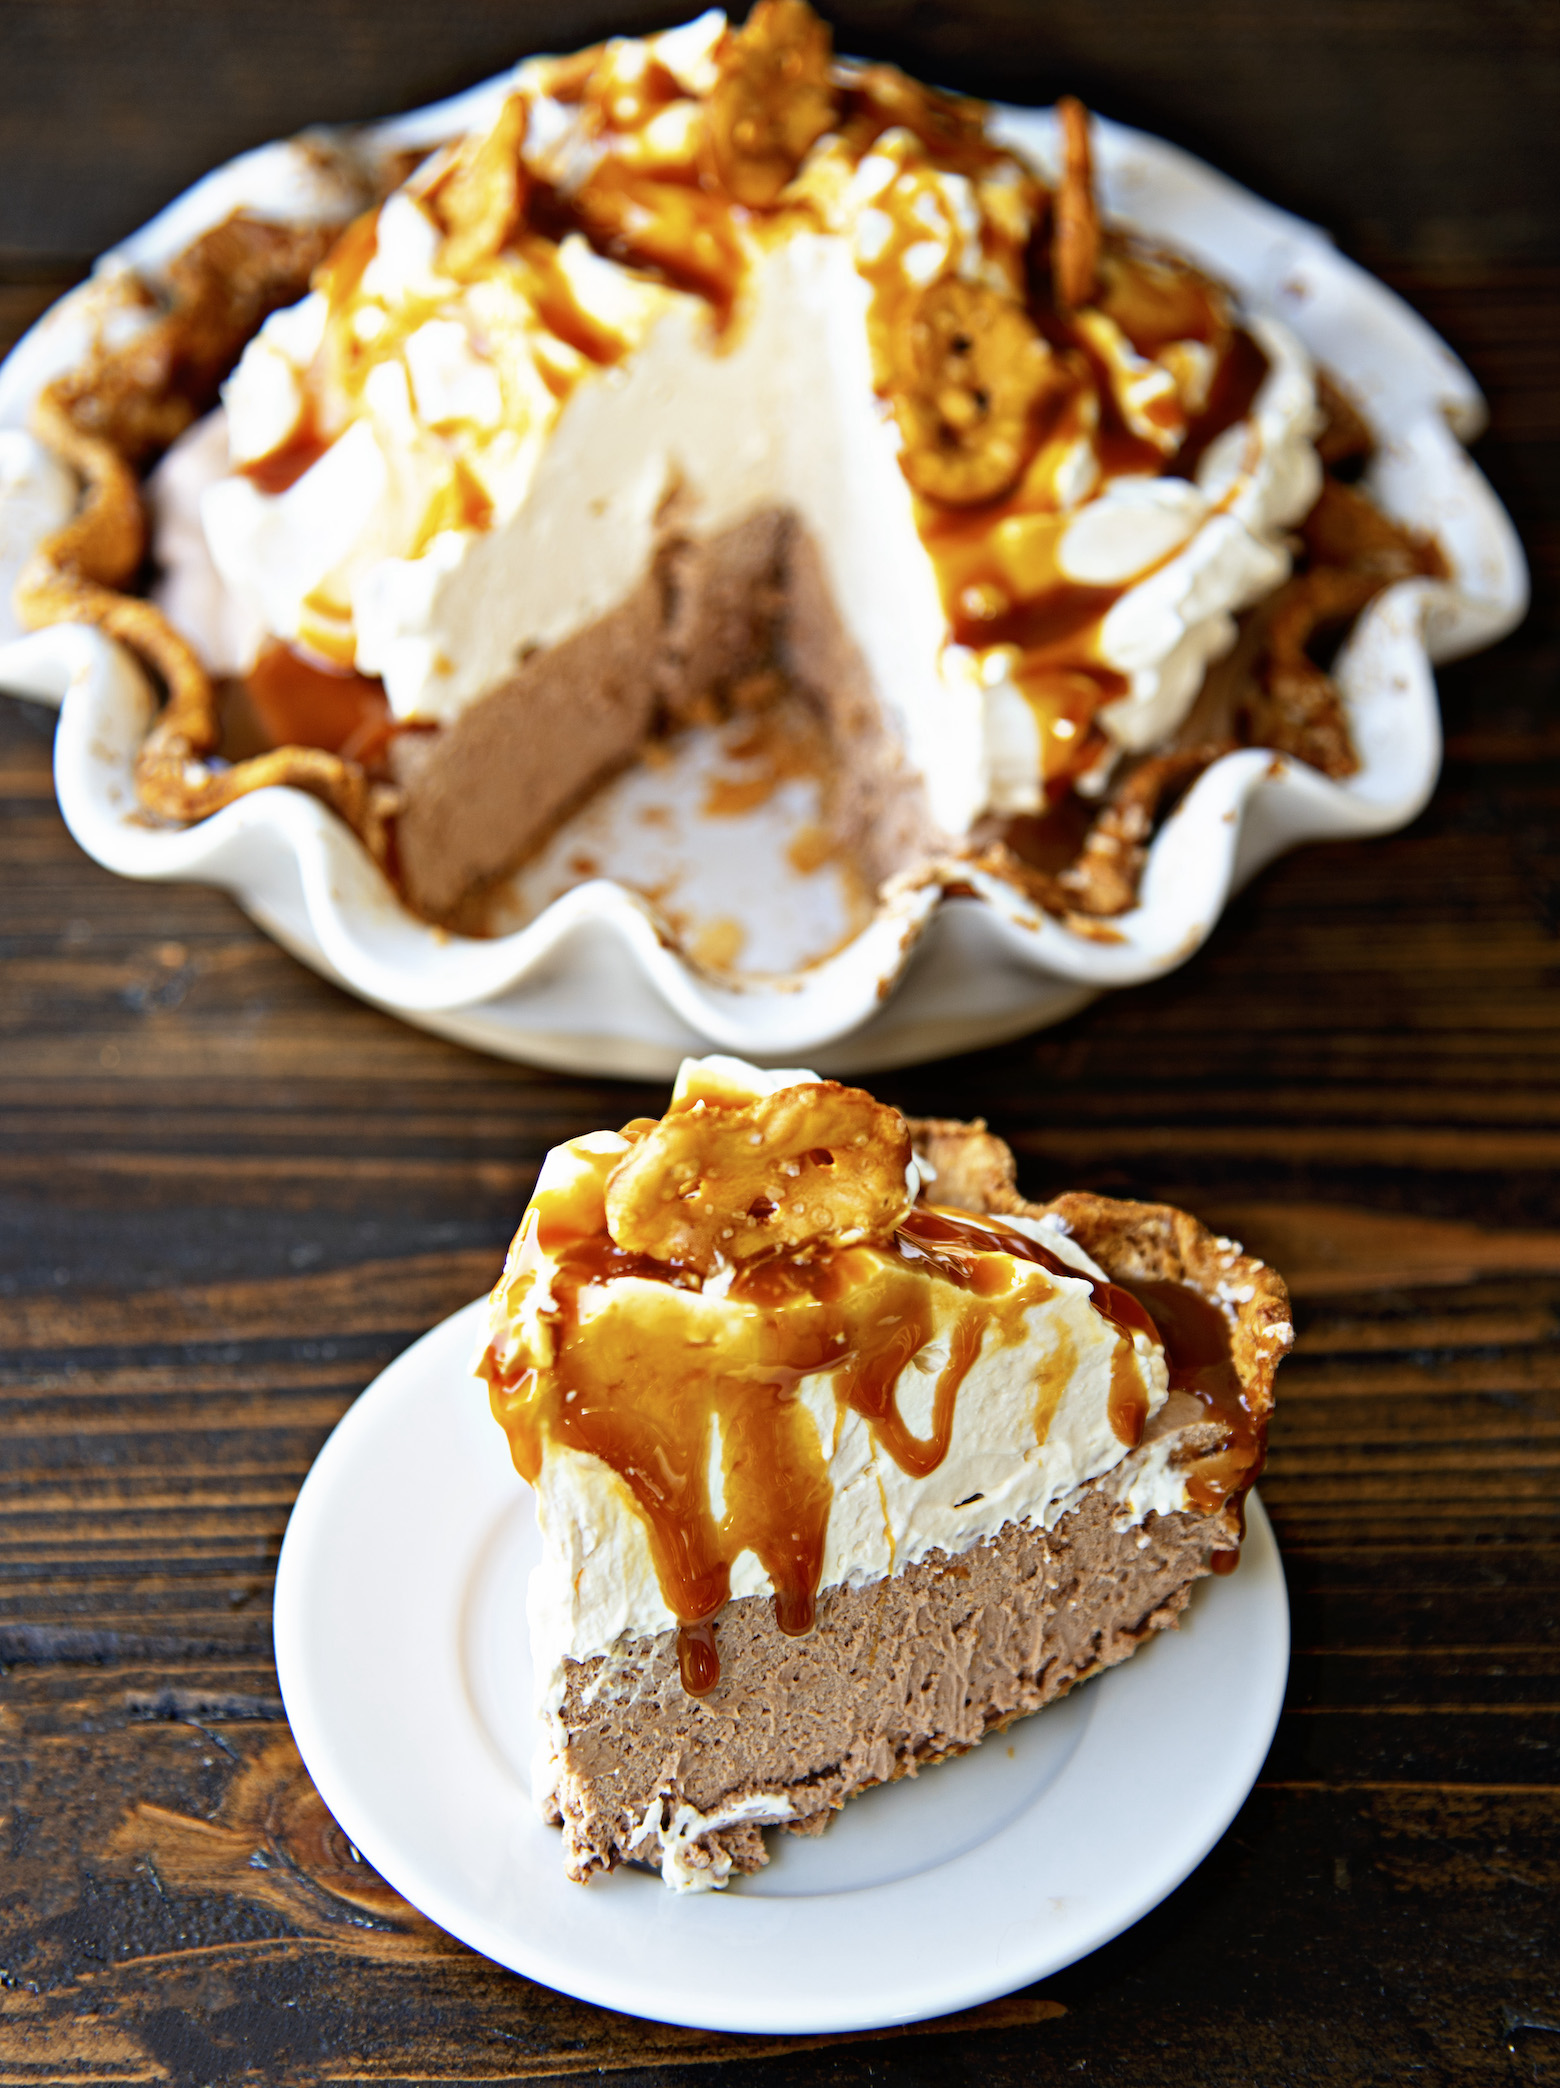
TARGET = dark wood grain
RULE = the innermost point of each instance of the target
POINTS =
(229, 1195)
(1421, 129)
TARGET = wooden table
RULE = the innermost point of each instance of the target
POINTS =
(229, 1195)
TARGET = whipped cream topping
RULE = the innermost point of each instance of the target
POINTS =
(454, 452)
(1035, 1414)
(675, 1837)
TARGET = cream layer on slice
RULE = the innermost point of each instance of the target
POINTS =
(1006, 1404)
(497, 478)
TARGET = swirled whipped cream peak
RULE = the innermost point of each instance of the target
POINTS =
(736, 1353)
(701, 277)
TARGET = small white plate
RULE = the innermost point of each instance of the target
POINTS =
(401, 1646)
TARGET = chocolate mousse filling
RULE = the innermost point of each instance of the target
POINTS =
(722, 624)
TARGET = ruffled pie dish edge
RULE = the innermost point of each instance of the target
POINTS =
(595, 982)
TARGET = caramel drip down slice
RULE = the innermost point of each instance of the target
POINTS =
(667, 1390)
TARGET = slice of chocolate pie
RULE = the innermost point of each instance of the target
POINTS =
(845, 1455)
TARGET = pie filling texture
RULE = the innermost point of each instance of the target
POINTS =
(1059, 423)
(779, 1364)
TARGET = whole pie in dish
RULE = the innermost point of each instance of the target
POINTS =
(711, 374)
(844, 1455)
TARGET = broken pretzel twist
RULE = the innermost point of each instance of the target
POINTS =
(975, 369)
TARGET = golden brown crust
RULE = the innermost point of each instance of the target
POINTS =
(1104, 879)
(974, 1169)
(1353, 550)
(1344, 436)
(1158, 1243)
(117, 413)
(1131, 1242)
(1345, 528)
(139, 395)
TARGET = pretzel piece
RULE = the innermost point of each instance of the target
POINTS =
(1075, 250)
(814, 1164)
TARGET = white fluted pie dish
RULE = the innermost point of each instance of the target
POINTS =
(594, 980)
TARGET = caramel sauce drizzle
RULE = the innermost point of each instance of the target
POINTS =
(664, 223)
(300, 702)
(283, 467)
(1052, 621)
(997, 564)
(635, 1382)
